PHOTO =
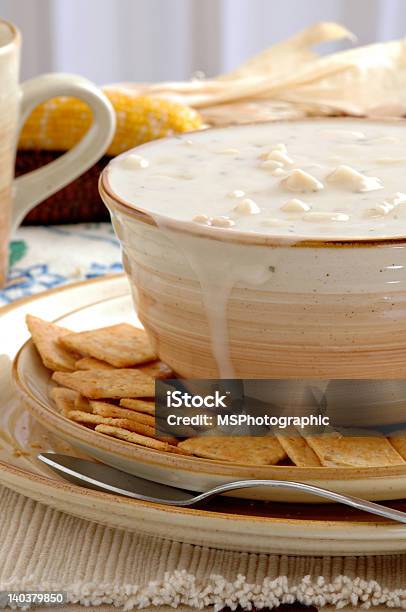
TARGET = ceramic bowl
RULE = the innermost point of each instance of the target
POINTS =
(309, 309)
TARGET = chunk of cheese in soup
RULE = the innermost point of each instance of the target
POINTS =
(329, 177)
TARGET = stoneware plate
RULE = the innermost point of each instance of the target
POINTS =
(33, 383)
(224, 523)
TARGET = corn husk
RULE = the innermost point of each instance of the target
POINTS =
(290, 80)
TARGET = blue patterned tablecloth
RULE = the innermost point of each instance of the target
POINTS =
(44, 257)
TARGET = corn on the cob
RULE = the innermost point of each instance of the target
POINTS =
(60, 123)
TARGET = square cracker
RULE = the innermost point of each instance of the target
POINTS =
(82, 403)
(109, 410)
(298, 450)
(107, 384)
(138, 405)
(155, 369)
(46, 337)
(122, 345)
(336, 450)
(239, 449)
(144, 430)
(87, 418)
(95, 419)
(90, 363)
(64, 399)
(398, 441)
(80, 416)
(135, 438)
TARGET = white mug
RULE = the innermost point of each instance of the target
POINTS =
(19, 196)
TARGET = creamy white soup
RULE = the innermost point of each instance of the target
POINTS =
(331, 177)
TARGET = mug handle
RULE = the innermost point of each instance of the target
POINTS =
(35, 186)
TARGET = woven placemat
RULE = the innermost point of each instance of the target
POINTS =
(41, 548)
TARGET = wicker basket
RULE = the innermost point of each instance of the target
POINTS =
(77, 202)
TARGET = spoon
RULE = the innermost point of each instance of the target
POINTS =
(106, 478)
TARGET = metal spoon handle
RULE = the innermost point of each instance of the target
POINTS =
(348, 500)
(107, 478)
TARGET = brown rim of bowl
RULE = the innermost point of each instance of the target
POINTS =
(60, 424)
(15, 33)
(112, 201)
